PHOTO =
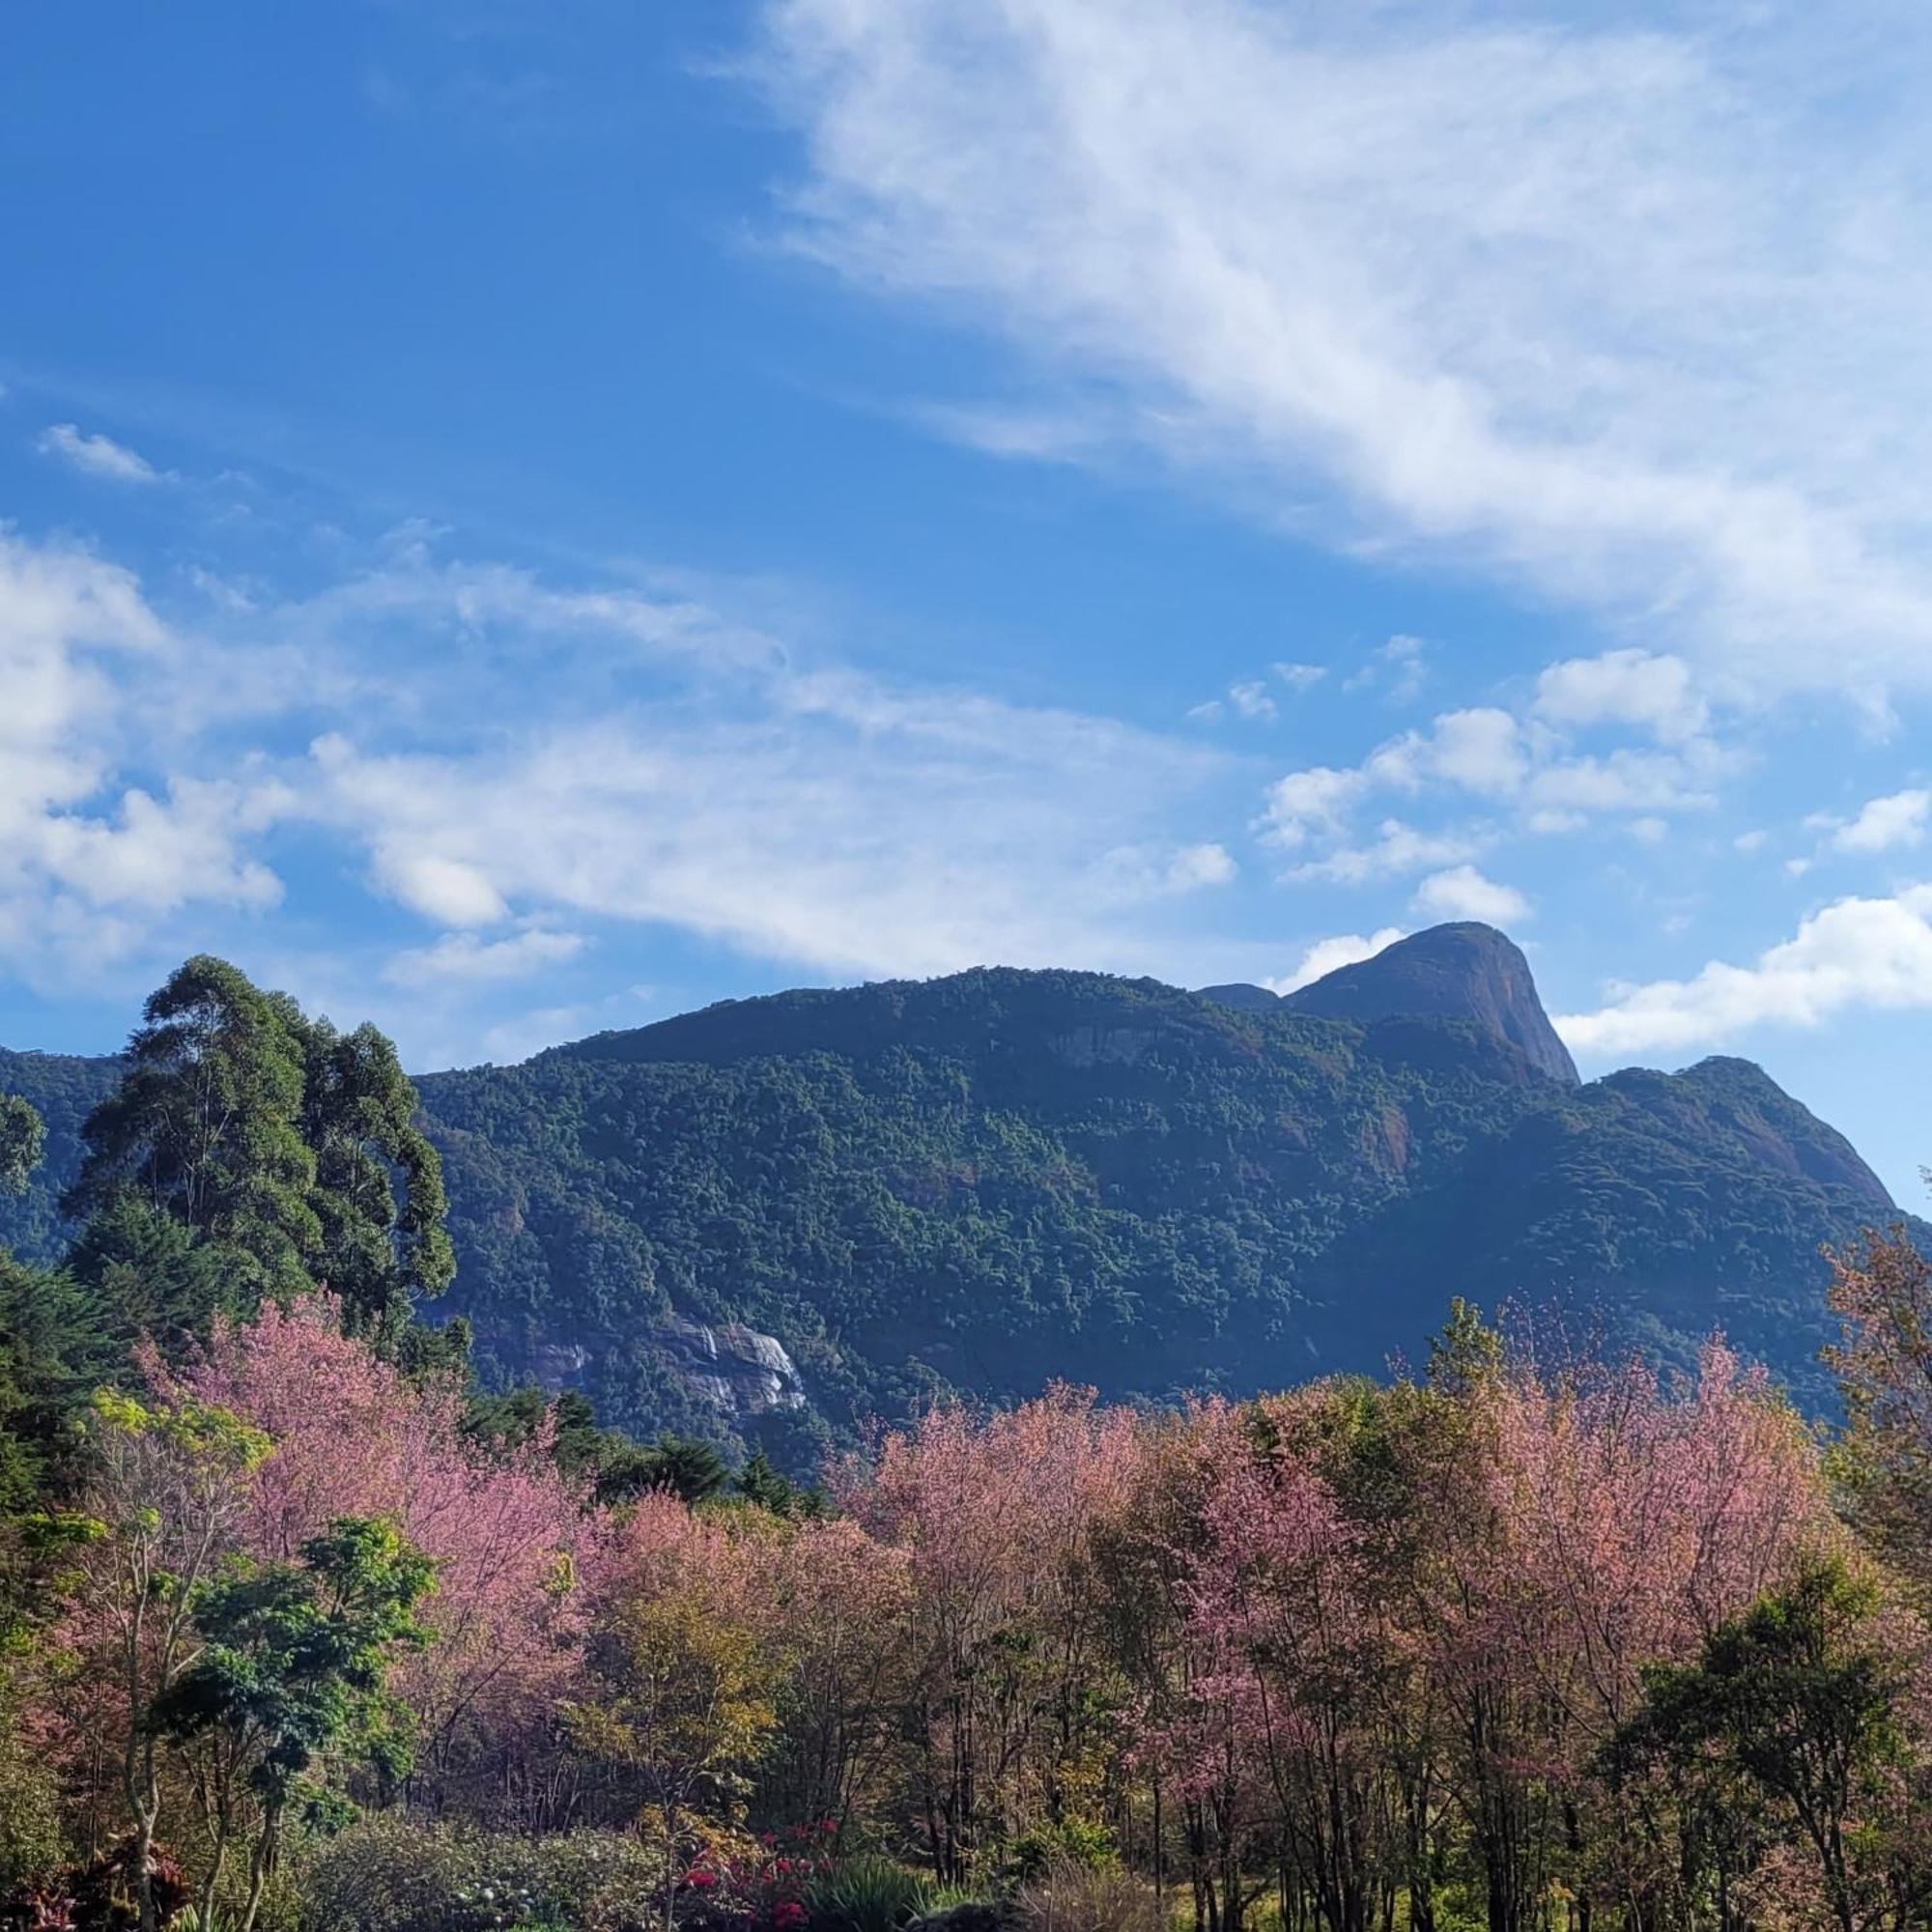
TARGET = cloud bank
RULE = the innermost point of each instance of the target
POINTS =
(1629, 314)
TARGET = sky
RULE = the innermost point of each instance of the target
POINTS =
(520, 519)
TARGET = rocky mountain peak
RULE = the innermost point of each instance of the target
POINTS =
(1464, 971)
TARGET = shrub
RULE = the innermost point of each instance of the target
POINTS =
(391, 1875)
(31, 1846)
(1075, 1898)
(966, 1916)
(869, 1894)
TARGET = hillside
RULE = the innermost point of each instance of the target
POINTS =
(783, 1214)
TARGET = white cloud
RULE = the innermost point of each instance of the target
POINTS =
(1525, 765)
(885, 833)
(93, 686)
(1343, 949)
(1464, 893)
(465, 958)
(1480, 751)
(1624, 688)
(1856, 953)
(1398, 669)
(452, 892)
(1300, 676)
(1311, 801)
(98, 455)
(1134, 874)
(1533, 288)
(1397, 848)
(1887, 823)
(1205, 864)
(1250, 698)
(627, 753)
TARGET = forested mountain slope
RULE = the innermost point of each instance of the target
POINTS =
(1002, 1177)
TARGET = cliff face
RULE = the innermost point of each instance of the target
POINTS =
(1464, 971)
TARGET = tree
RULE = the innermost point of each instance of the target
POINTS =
(1795, 1705)
(53, 1349)
(252, 1152)
(1882, 1293)
(760, 1483)
(168, 1486)
(687, 1466)
(294, 1670)
(507, 1529)
(22, 1136)
(681, 1701)
(204, 1130)
(378, 1192)
(1292, 1664)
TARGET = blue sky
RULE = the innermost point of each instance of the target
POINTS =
(525, 519)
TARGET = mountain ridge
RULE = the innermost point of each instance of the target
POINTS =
(1003, 1177)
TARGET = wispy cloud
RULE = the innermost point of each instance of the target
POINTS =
(1547, 295)
(463, 958)
(612, 752)
(98, 455)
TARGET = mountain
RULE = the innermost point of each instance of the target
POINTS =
(1464, 971)
(775, 1217)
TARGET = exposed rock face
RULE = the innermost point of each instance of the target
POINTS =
(1104, 1046)
(1466, 971)
(738, 1370)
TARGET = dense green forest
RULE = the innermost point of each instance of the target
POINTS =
(990, 1181)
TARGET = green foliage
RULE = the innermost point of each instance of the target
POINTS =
(294, 1656)
(248, 1151)
(390, 1874)
(24, 1138)
(1787, 1724)
(870, 1894)
(993, 1180)
(32, 1844)
(53, 1349)
(761, 1483)
(691, 1468)
(291, 1672)
(203, 1129)
(380, 1253)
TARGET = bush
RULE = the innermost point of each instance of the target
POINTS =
(391, 1875)
(31, 1846)
(869, 1894)
(1075, 1898)
(971, 1915)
